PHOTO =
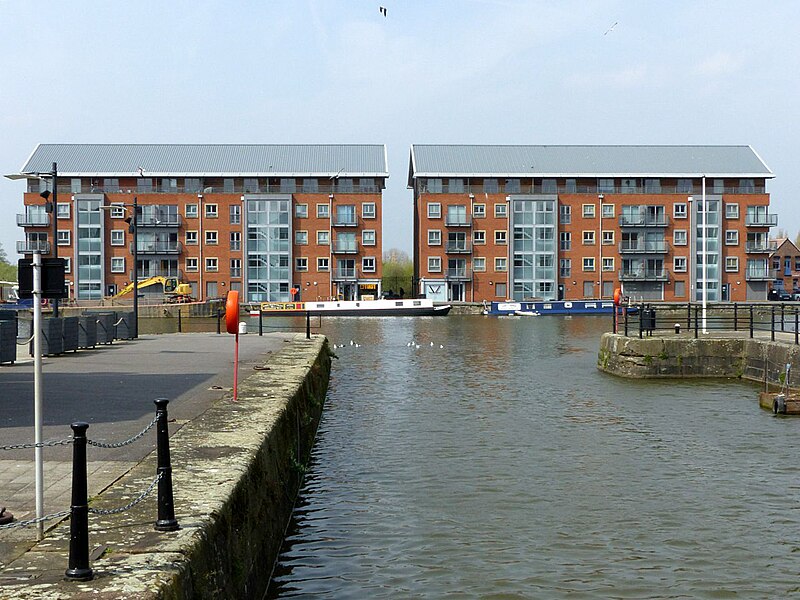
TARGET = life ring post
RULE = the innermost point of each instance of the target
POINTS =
(232, 326)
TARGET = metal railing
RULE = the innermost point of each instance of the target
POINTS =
(458, 248)
(168, 220)
(644, 275)
(458, 274)
(457, 221)
(345, 247)
(757, 247)
(643, 221)
(526, 187)
(31, 246)
(643, 247)
(157, 247)
(762, 220)
(33, 219)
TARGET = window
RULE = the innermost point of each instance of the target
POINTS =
(212, 264)
(679, 210)
(718, 186)
(501, 210)
(478, 237)
(301, 238)
(323, 264)
(571, 186)
(513, 186)
(368, 210)
(731, 264)
(434, 264)
(63, 210)
(67, 264)
(564, 267)
(434, 185)
(679, 237)
(588, 263)
(628, 186)
(565, 240)
(323, 211)
(588, 238)
(500, 264)
(191, 264)
(605, 186)
(368, 237)
(323, 237)
(211, 211)
(731, 210)
(731, 237)
(117, 237)
(117, 211)
(63, 237)
(747, 186)
(588, 211)
(75, 186)
(549, 186)
(434, 210)
(368, 264)
(478, 263)
(211, 238)
(191, 238)
(250, 185)
(479, 211)
(607, 211)
(652, 186)
(310, 185)
(288, 185)
(236, 267)
(679, 264)
(236, 240)
(236, 214)
(191, 211)
(491, 186)
(608, 238)
(301, 264)
(685, 186)
(227, 185)
(500, 236)
(434, 237)
(500, 290)
(565, 214)
(456, 186)
(117, 264)
(608, 264)
(301, 211)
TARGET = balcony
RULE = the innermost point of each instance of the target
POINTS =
(458, 248)
(345, 275)
(644, 275)
(33, 220)
(643, 221)
(345, 247)
(160, 221)
(31, 246)
(765, 220)
(147, 273)
(458, 274)
(757, 247)
(457, 221)
(641, 247)
(758, 274)
(345, 221)
(157, 248)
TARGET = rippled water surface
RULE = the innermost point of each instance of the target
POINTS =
(504, 465)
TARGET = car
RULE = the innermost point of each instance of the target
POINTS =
(779, 296)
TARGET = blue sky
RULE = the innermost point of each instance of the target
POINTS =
(467, 71)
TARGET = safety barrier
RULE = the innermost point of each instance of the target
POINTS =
(78, 568)
(750, 318)
(283, 326)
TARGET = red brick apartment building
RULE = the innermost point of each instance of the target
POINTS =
(573, 222)
(261, 219)
(785, 263)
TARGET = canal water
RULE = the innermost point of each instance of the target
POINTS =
(499, 463)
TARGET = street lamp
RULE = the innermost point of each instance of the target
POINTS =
(51, 206)
(133, 229)
(600, 243)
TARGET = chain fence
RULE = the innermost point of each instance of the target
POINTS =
(107, 445)
(29, 522)
(131, 504)
(65, 442)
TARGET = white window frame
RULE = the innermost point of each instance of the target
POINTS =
(608, 264)
(731, 264)
(479, 264)
(323, 237)
(679, 210)
(588, 237)
(301, 237)
(368, 237)
(500, 264)
(192, 211)
(731, 237)
(120, 235)
(607, 211)
(192, 238)
(301, 211)
(191, 264)
(434, 264)
(323, 211)
(368, 210)
(588, 211)
(588, 264)
(479, 237)
(323, 264)
(63, 210)
(434, 210)
(732, 210)
(117, 264)
(301, 264)
(212, 264)
(501, 210)
(64, 237)
(501, 237)
(211, 211)
(608, 237)
(117, 210)
(67, 264)
(212, 237)
(434, 237)
(479, 210)
(679, 264)
(368, 264)
(676, 241)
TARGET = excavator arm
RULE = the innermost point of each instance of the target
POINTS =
(169, 283)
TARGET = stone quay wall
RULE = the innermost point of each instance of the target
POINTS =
(755, 359)
(236, 472)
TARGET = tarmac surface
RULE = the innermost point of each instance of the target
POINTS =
(112, 388)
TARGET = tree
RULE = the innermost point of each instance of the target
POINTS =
(3, 255)
(398, 272)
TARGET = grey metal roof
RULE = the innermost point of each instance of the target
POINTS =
(368, 160)
(586, 161)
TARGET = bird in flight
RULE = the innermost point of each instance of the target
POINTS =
(610, 29)
(382, 10)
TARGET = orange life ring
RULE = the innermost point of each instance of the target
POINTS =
(232, 312)
(617, 296)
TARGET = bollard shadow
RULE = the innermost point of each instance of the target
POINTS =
(92, 397)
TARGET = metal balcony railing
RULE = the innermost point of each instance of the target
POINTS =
(458, 274)
(643, 221)
(345, 247)
(33, 220)
(156, 272)
(31, 246)
(644, 275)
(765, 220)
(458, 248)
(757, 247)
(160, 221)
(457, 221)
(640, 247)
(760, 274)
(157, 248)
(345, 275)
(345, 221)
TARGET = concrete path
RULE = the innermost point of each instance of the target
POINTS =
(112, 388)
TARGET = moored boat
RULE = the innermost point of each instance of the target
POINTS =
(356, 308)
(553, 307)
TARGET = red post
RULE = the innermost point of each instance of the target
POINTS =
(236, 369)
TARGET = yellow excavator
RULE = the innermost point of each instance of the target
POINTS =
(174, 291)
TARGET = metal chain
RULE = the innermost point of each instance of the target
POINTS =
(126, 442)
(57, 515)
(142, 496)
(65, 442)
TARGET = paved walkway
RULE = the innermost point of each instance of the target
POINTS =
(112, 388)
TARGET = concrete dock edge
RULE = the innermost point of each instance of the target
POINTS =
(236, 472)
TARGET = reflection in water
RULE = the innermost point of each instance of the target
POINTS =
(504, 465)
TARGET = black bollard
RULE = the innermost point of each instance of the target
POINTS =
(79, 569)
(751, 321)
(180, 328)
(219, 316)
(735, 316)
(308, 325)
(260, 323)
(166, 508)
(772, 324)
